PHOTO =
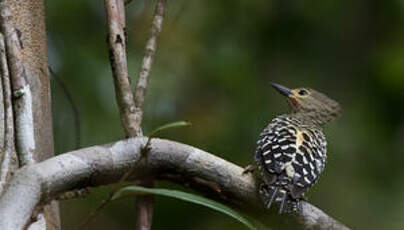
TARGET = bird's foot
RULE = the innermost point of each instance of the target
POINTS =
(249, 169)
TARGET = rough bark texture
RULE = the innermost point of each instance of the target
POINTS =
(8, 155)
(99, 165)
(29, 19)
(144, 205)
(150, 50)
(21, 91)
(115, 13)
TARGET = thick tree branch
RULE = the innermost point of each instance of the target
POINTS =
(144, 204)
(117, 53)
(100, 165)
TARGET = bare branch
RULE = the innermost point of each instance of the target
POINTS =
(105, 164)
(13, 47)
(117, 53)
(3, 62)
(144, 207)
(150, 50)
(144, 204)
(131, 112)
(9, 161)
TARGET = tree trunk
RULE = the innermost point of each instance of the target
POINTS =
(29, 18)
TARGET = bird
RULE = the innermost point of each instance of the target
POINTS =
(291, 151)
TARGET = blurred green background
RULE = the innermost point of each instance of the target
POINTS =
(213, 67)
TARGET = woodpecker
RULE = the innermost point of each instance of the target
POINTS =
(291, 150)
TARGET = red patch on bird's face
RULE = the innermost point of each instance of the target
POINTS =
(293, 102)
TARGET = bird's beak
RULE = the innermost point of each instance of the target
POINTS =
(282, 89)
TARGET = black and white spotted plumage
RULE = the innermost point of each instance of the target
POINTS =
(291, 154)
(291, 151)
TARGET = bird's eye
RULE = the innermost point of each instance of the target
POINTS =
(302, 92)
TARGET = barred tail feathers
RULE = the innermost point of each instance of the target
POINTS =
(277, 194)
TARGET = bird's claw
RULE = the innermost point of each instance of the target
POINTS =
(249, 169)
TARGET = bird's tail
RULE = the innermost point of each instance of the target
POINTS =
(273, 193)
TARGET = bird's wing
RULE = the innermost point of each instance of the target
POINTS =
(289, 156)
(276, 148)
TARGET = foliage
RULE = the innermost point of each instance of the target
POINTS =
(134, 190)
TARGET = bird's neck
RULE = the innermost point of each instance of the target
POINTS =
(311, 118)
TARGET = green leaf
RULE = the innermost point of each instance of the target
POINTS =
(175, 124)
(138, 190)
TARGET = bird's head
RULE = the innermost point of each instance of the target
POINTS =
(310, 104)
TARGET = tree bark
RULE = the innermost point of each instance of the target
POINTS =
(100, 165)
(144, 205)
(29, 19)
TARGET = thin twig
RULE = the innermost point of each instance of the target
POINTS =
(3, 62)
(150, 50)
(9, 161)
(73, 105)
(115, 12)
(73, 194)
(145, 204)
